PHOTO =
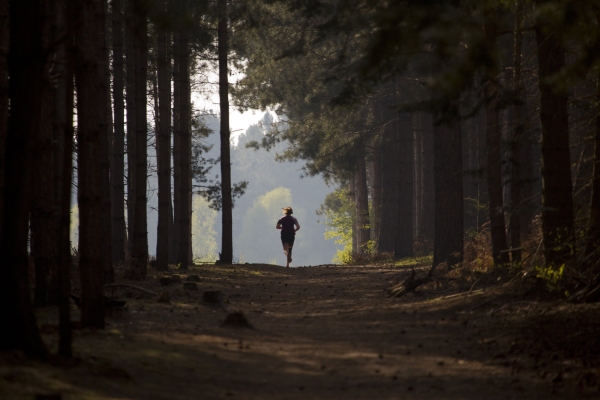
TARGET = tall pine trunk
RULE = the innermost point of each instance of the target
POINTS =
(25, 63)
(130, 51)
(375, 187)
(227, 204)
(176, 149)
(139, 256)
(557, 212)
(43, 218)
(448, 176)
(186, 151)
(361, 202)
(403, 242)
(516, 141)
(91, 132)
(428, 186)
(493, 144)
(163, 145)
(118, 145)
(104, 112)
(63, 134)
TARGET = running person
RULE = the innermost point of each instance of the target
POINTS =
(288, 225)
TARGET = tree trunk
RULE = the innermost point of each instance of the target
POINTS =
(361, 202)
(176, 149)
(447, 163)
(516, 142)
(105, 126)
(43, 218)
(389, 169)
(118, 172)
(163, 145)
(593, 243)
(352, 199)
(557, 212)
(403, 242)
(90, 135)
(139, 256)
(227, 205)
(428, 222)
(186, 151)
(418, 168)
(376, 188)
(25, 63)
(130, 51)
(63, 133)
(493, 144)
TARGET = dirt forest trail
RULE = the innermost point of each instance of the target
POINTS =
(327, 332)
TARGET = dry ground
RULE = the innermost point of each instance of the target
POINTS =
(326, 332)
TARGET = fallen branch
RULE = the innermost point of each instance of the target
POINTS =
(132, 287)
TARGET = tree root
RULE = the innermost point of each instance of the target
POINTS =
(410, 284)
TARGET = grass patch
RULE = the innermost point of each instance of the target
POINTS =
(414, 261)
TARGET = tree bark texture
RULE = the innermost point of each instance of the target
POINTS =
(418, 169)
(227, 204)
(163, 145)
(375, 182)
(516, 141)
(557, 211)
(352, 199)
(389, 171)
(139, 256)
(104, 111)
(176, 150)
(403, 242)
(428, 185)
(593, 243)
(118, 145)
(90, 134)
(43, 217)
(63, 133)
(361, 202)
(186, 150)
(25, 62)
(448, 175)
(494, 146)
(130, 102)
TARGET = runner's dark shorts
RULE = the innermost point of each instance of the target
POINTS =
(288, 237)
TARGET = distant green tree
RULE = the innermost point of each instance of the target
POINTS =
(204, 242)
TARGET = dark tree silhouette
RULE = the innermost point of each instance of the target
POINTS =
(227, 205)
(26, 63)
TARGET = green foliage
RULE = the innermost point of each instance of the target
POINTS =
(552, 275)
(338, 217)
(204, 243)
